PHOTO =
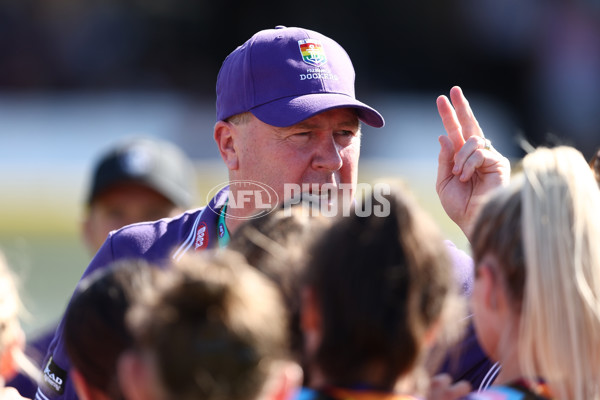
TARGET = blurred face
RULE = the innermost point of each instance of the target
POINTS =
(323, 149)
(121, 205)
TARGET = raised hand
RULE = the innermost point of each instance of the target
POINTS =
(468, 166)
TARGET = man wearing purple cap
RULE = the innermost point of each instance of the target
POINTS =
(287, 114)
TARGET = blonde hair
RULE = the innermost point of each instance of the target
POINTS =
(553, 208)
(10, 326)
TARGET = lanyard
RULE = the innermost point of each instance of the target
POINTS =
(222, 232)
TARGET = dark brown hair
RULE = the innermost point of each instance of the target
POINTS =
(380, 283)
(95, 331)
(277, 245)
(214, 325)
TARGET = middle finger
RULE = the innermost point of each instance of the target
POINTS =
(470, 125)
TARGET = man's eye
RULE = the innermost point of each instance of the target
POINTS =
(345, 133)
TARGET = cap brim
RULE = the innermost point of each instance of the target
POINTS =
(289, 111)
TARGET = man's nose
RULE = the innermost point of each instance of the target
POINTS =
(327, 154)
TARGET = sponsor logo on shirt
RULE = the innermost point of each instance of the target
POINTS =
(54, 376)
(201, 237)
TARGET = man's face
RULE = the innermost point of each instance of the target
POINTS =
(120, 205)
(323, 149)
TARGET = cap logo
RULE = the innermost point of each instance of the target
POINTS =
(312, 52)
(54, 376)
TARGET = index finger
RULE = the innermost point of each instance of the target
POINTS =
(464, 113)
(451, 123)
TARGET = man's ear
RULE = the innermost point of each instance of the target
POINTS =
(224, 135)
(86, 230)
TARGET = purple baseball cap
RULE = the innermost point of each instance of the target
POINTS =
(286, 75)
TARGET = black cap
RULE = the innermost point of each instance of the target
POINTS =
(157, 164)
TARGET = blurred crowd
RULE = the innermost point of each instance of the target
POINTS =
(539, 59)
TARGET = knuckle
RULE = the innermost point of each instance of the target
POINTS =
(474, 140)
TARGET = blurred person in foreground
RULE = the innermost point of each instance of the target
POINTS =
(12, 339)
(134, 180)
(212, 328)
(536, 300)
(278, 246)
(95, 330)
(378, 292)
(288, 124)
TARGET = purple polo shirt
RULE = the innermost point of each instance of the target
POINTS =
(156, 242)
(162, 241)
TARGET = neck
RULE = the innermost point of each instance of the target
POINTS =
(232, 224)
(509, 360)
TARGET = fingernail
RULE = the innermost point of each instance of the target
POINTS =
(455, 169)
